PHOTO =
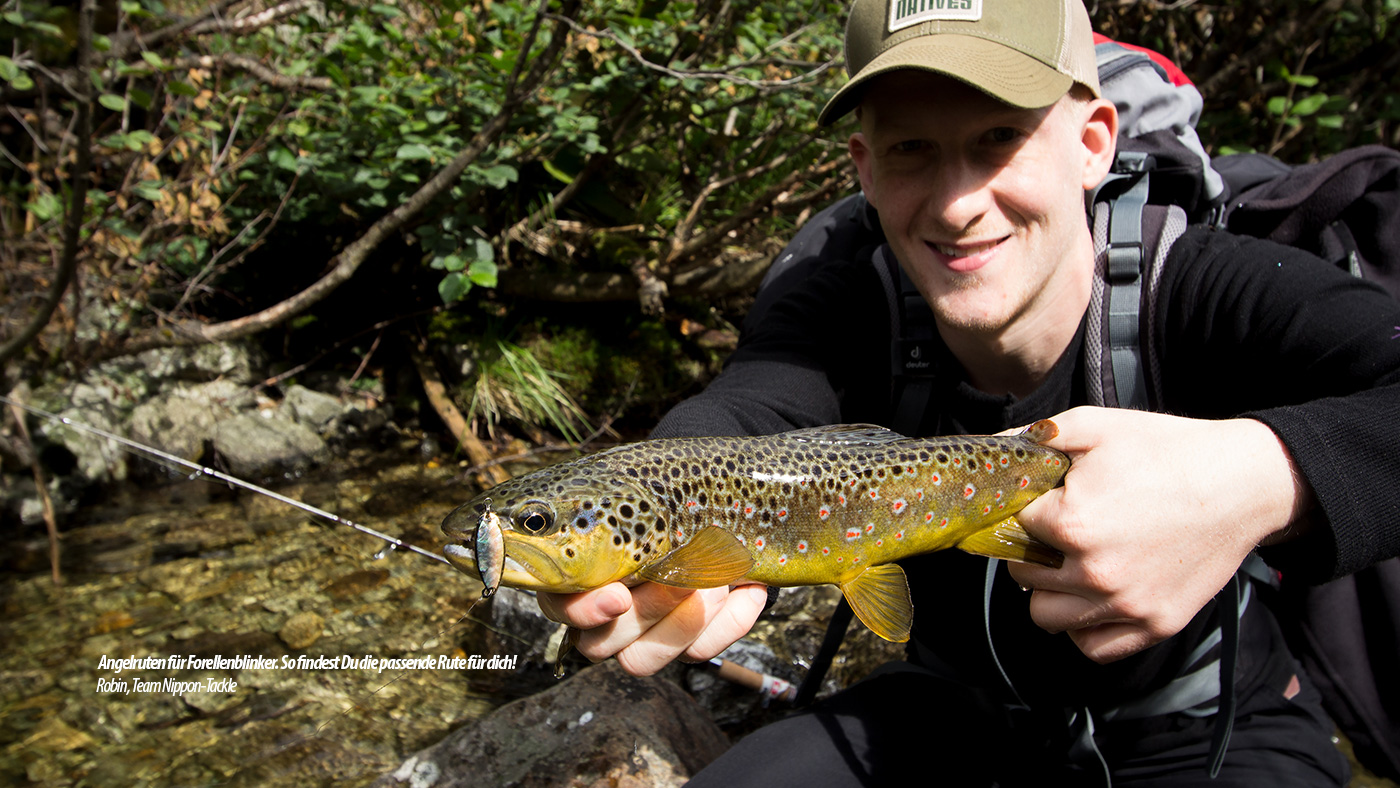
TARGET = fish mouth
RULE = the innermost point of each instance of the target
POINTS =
(535, 570)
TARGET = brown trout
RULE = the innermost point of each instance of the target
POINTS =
(835, 504)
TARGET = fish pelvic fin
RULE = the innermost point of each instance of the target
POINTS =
(1041, 431)
(1008, 540)
(713, 557)
(880, 598)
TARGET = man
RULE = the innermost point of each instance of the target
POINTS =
(980, 130)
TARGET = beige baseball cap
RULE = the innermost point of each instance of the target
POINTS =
(1026, 53)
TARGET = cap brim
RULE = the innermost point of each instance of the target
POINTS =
(1003, 73)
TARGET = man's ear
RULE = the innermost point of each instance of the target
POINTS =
(1100, 139)
(864, 159)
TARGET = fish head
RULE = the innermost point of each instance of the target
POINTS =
(562, 529)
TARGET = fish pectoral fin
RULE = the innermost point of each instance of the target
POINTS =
(1008, 540)
(713, 557)
(880, 598)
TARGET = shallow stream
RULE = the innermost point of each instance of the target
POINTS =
(193, 573)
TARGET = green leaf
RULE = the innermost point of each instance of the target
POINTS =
(453, 287)
(435, 116)
(1278, 105)
(15, 18)
(1309, 105)
(283, 158)
(1302, 80)
(45, 206)
(481, 250)
(22, 82)
(558, 174)
(113, 102)
(450, 262)
(148, 190)
(298, 128)
(153, 59)
(182, 88)
(500, 175)
(482, 273)
(414, 151)
(8, 69)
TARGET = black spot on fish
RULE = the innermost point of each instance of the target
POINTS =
(632, 472)
(587, 505)
(660, 526)
(625, 510)
(646, 548)
(658, 487)
(643, 506)
(942, 458)
(636, 556)
(1020, 453)
(639, 528)
(729, 466)
(675, 472)
(569, 551)
(617, 539)
(612, 521)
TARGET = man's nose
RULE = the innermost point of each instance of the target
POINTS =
(958, 197)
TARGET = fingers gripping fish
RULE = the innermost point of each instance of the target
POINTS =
(835, 504)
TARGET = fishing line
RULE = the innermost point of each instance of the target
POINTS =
(170, 460)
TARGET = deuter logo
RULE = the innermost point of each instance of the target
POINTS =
(904, 13)
(913, 357)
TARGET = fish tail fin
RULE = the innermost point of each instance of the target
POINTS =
(879, 596)
(1008, 540)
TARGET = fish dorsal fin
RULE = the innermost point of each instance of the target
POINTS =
(713, 557)
(1009, 541)
(845, 435)
(880, 598)
(1041, 431)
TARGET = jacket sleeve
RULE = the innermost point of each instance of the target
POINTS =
(1268, 332)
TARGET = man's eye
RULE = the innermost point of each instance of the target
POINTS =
(907, 146)
(1003, 135)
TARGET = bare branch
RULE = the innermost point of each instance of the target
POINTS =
(710, 74)
(259, 71)
(248, 24)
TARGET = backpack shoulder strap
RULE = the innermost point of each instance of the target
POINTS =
(1132, 239)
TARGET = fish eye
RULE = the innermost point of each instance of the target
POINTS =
(535, 518)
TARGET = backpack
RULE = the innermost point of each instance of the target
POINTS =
(1343, 209)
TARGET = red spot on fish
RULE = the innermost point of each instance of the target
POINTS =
(998, 495)
(879, 542)
(842, 499)
(899, 506)
(854, 561)
(943, 524)
(874, 494)
(899, 534)
(802, 546)
(957, 461)
(937, 480)
(758, 543)
(824, 512)
(1025, 482)
(1005, 461)
(748, 511)
(869, 527)
(919, 493)
(968, 491)
(989, 465)
(782, 514)
(909, 471)
(928, 518)
(826, 551)
(987, 509)
(852, 533)
(782, 559)
(691, 504)
(839, 560)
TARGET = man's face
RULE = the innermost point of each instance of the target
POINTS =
(982, 202)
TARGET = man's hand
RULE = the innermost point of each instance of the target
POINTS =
(1155, 515)
(648, 626)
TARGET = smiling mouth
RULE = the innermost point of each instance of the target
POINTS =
(958, 252)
